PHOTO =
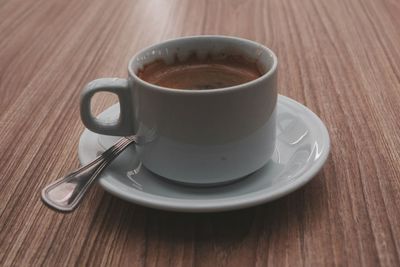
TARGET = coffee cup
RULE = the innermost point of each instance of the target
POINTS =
(191, 135)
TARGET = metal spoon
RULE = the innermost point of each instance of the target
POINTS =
(66, 193)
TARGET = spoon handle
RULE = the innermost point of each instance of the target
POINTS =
(66, 193)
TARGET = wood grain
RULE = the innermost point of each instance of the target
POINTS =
(340, 58)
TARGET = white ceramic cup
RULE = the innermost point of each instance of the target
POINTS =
(199, 137)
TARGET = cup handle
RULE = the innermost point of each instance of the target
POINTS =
(122, 126)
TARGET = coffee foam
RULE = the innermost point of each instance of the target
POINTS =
(197, 70)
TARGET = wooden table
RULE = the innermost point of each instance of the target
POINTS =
(340, 58)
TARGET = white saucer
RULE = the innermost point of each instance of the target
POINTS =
(302, 148)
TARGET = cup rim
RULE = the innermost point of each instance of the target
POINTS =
(163, 89)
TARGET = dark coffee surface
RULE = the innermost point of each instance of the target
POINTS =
(196, 74)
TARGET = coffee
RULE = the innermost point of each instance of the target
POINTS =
(201, 74)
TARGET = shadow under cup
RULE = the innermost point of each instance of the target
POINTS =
(204, 137)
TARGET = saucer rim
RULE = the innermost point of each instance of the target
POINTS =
(226, 203)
